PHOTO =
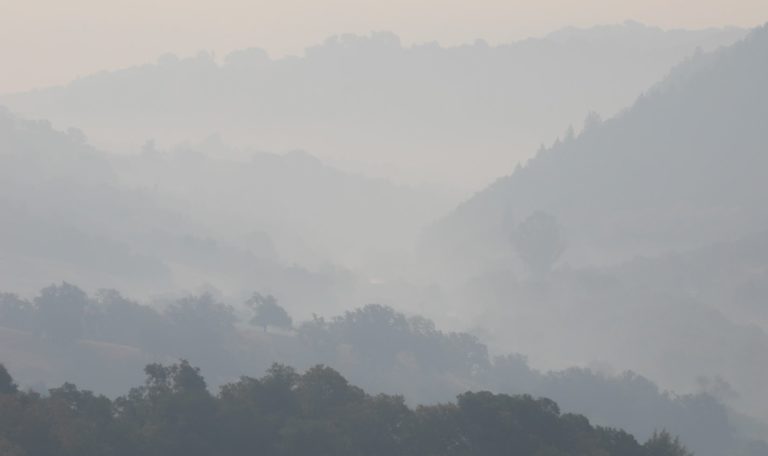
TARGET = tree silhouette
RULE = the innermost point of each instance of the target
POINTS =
(539, 242)
(663, 444)
(61, 309)
(267, 312)
(285, 413)
(6, 382)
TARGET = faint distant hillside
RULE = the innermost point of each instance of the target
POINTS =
(65, 216)
(312, 212)
(163, 221)
(682, 167)
(639, 242)
(457, 116)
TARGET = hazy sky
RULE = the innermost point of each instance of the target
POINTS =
(44, 42)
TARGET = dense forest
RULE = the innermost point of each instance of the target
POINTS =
(285, 413)
(66, 335)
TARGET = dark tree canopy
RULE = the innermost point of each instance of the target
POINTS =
(287, 414)
(6, 382)
(378, 347)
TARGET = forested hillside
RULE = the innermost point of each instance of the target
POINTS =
(65, 335)
(651, 222)
(681, 168)
(285, 413)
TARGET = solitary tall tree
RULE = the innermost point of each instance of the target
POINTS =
(266, 312)
(539, 242)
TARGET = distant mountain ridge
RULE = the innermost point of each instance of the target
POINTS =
(453, 116)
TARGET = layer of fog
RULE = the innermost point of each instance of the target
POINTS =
(637, 244)
(640, 242)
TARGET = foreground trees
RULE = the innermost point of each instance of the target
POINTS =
(284, 413)
(379, 348)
